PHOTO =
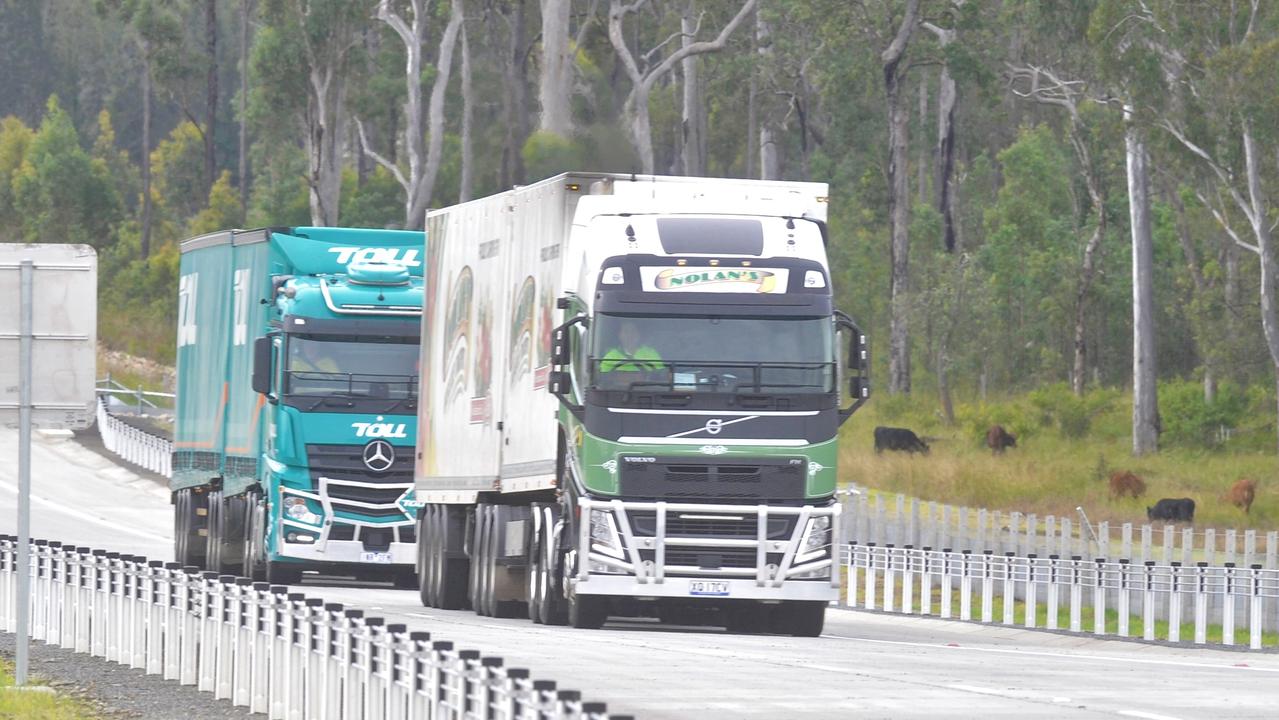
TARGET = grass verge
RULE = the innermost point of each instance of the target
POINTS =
(37, 705)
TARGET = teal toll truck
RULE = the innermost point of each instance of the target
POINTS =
(297, 352)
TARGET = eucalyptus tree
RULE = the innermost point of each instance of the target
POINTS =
(644, 72)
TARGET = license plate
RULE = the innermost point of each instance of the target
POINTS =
(707, 587)
(379, 558)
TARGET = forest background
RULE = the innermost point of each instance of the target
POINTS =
(1053, 215)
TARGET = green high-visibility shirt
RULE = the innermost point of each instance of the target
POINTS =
(644, 359)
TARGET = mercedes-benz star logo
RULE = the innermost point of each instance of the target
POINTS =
(379, 456)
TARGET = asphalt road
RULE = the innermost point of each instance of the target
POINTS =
(867, 665)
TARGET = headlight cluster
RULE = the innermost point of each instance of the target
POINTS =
(604, 536)
(816, 535)
(295, 508)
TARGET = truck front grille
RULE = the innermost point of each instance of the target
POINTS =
(346, 462)
(679, 479)
(644, 523)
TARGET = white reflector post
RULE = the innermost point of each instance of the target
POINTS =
(26, 270)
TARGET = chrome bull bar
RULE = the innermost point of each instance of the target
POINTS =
(794, 561)
(330, 518)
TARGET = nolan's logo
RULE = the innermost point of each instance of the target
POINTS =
(379, 456)
(379, 429)
(406, 257)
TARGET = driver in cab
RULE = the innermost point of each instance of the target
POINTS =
(309, 356)
(630, 358)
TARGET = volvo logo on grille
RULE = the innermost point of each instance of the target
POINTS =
(379, 456)
(714, 425)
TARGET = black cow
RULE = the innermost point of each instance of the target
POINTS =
(1172, 510)
(888, 438)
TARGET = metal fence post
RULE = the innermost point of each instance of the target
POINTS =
(1174, 602)
(1201, 603)
(1255, 606)
(1032, 585)
(987, 587)
(191, 607)
(965, 586)
(890, 576)
(1100, 571)
(1229, 588)
(1148, 600)
(850, 593)
(1052, 601)
(1125, 597)
(1076, 595)
(1009, 595)
(871, 589)
(908, 579)
(926, 582)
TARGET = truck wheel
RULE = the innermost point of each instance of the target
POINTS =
(480, 562)
(801, 618)
(450, 573)
(234, 513)
(499, 516)
(426, 555)
(535, 576)
(587, 611)
(188, 545)
(476, 570)
(213, 539)
(255, 536)
(551, 592)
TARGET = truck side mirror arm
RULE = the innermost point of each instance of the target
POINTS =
(560, 382)
(263, 352)
(858, 366)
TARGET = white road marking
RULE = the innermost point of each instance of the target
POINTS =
(1059, 655)
(87, 517)
(1146, 715)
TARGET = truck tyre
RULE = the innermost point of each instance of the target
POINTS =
(188, 544)
(587, 611)
(551, 607)
(426, 539)
(800, 618)
(255, 536)
(234, 513)
(473, 550)
(480, 562)
(450, 573)
(213, 538)
(535, 580)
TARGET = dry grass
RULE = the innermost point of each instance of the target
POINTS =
(37, 704)
(1048, 474)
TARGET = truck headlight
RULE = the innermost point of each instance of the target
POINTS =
(295, 508)
(604, 536)
(816, 535)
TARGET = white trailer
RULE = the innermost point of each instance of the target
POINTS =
(630, 393)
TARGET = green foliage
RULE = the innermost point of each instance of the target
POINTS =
(546, 154)
(378, 203)
(15, 138)
(223, 210)
(140, 293)
(177, 167)
(279, 194)
(1071, 415)
(1190, 421)
(60, 193)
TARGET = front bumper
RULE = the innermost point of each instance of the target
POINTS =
(347, 551)
(764, 565)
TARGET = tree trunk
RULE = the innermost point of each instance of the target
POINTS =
(752, 123)
(899, 202)
(694, 115)
(514, 94)
(145, 240)
(326, 115)
(466, 181)
(420, 198)
(769, 157)
(1259, 218)
(210, 94)
(922, 170)
(1088, 267)
(245, 10)
(944, 182)
(555, 88)
(1145, 409)
(641, 128)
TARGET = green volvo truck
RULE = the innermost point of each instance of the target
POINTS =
(632, 388)
(297, 352)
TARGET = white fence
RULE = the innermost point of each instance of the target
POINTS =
(1228, 600)
(908, 521)
(264, 647)
(144, 449)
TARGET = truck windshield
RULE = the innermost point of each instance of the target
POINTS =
(352, 367)
(713, 354)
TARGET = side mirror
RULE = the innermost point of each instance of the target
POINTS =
(561, 348)
(262, 351)
(560, 382)
(858, 365)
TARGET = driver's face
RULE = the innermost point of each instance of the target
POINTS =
(630, 336)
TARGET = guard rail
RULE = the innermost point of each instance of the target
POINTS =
(265, 647)
(135, 445)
